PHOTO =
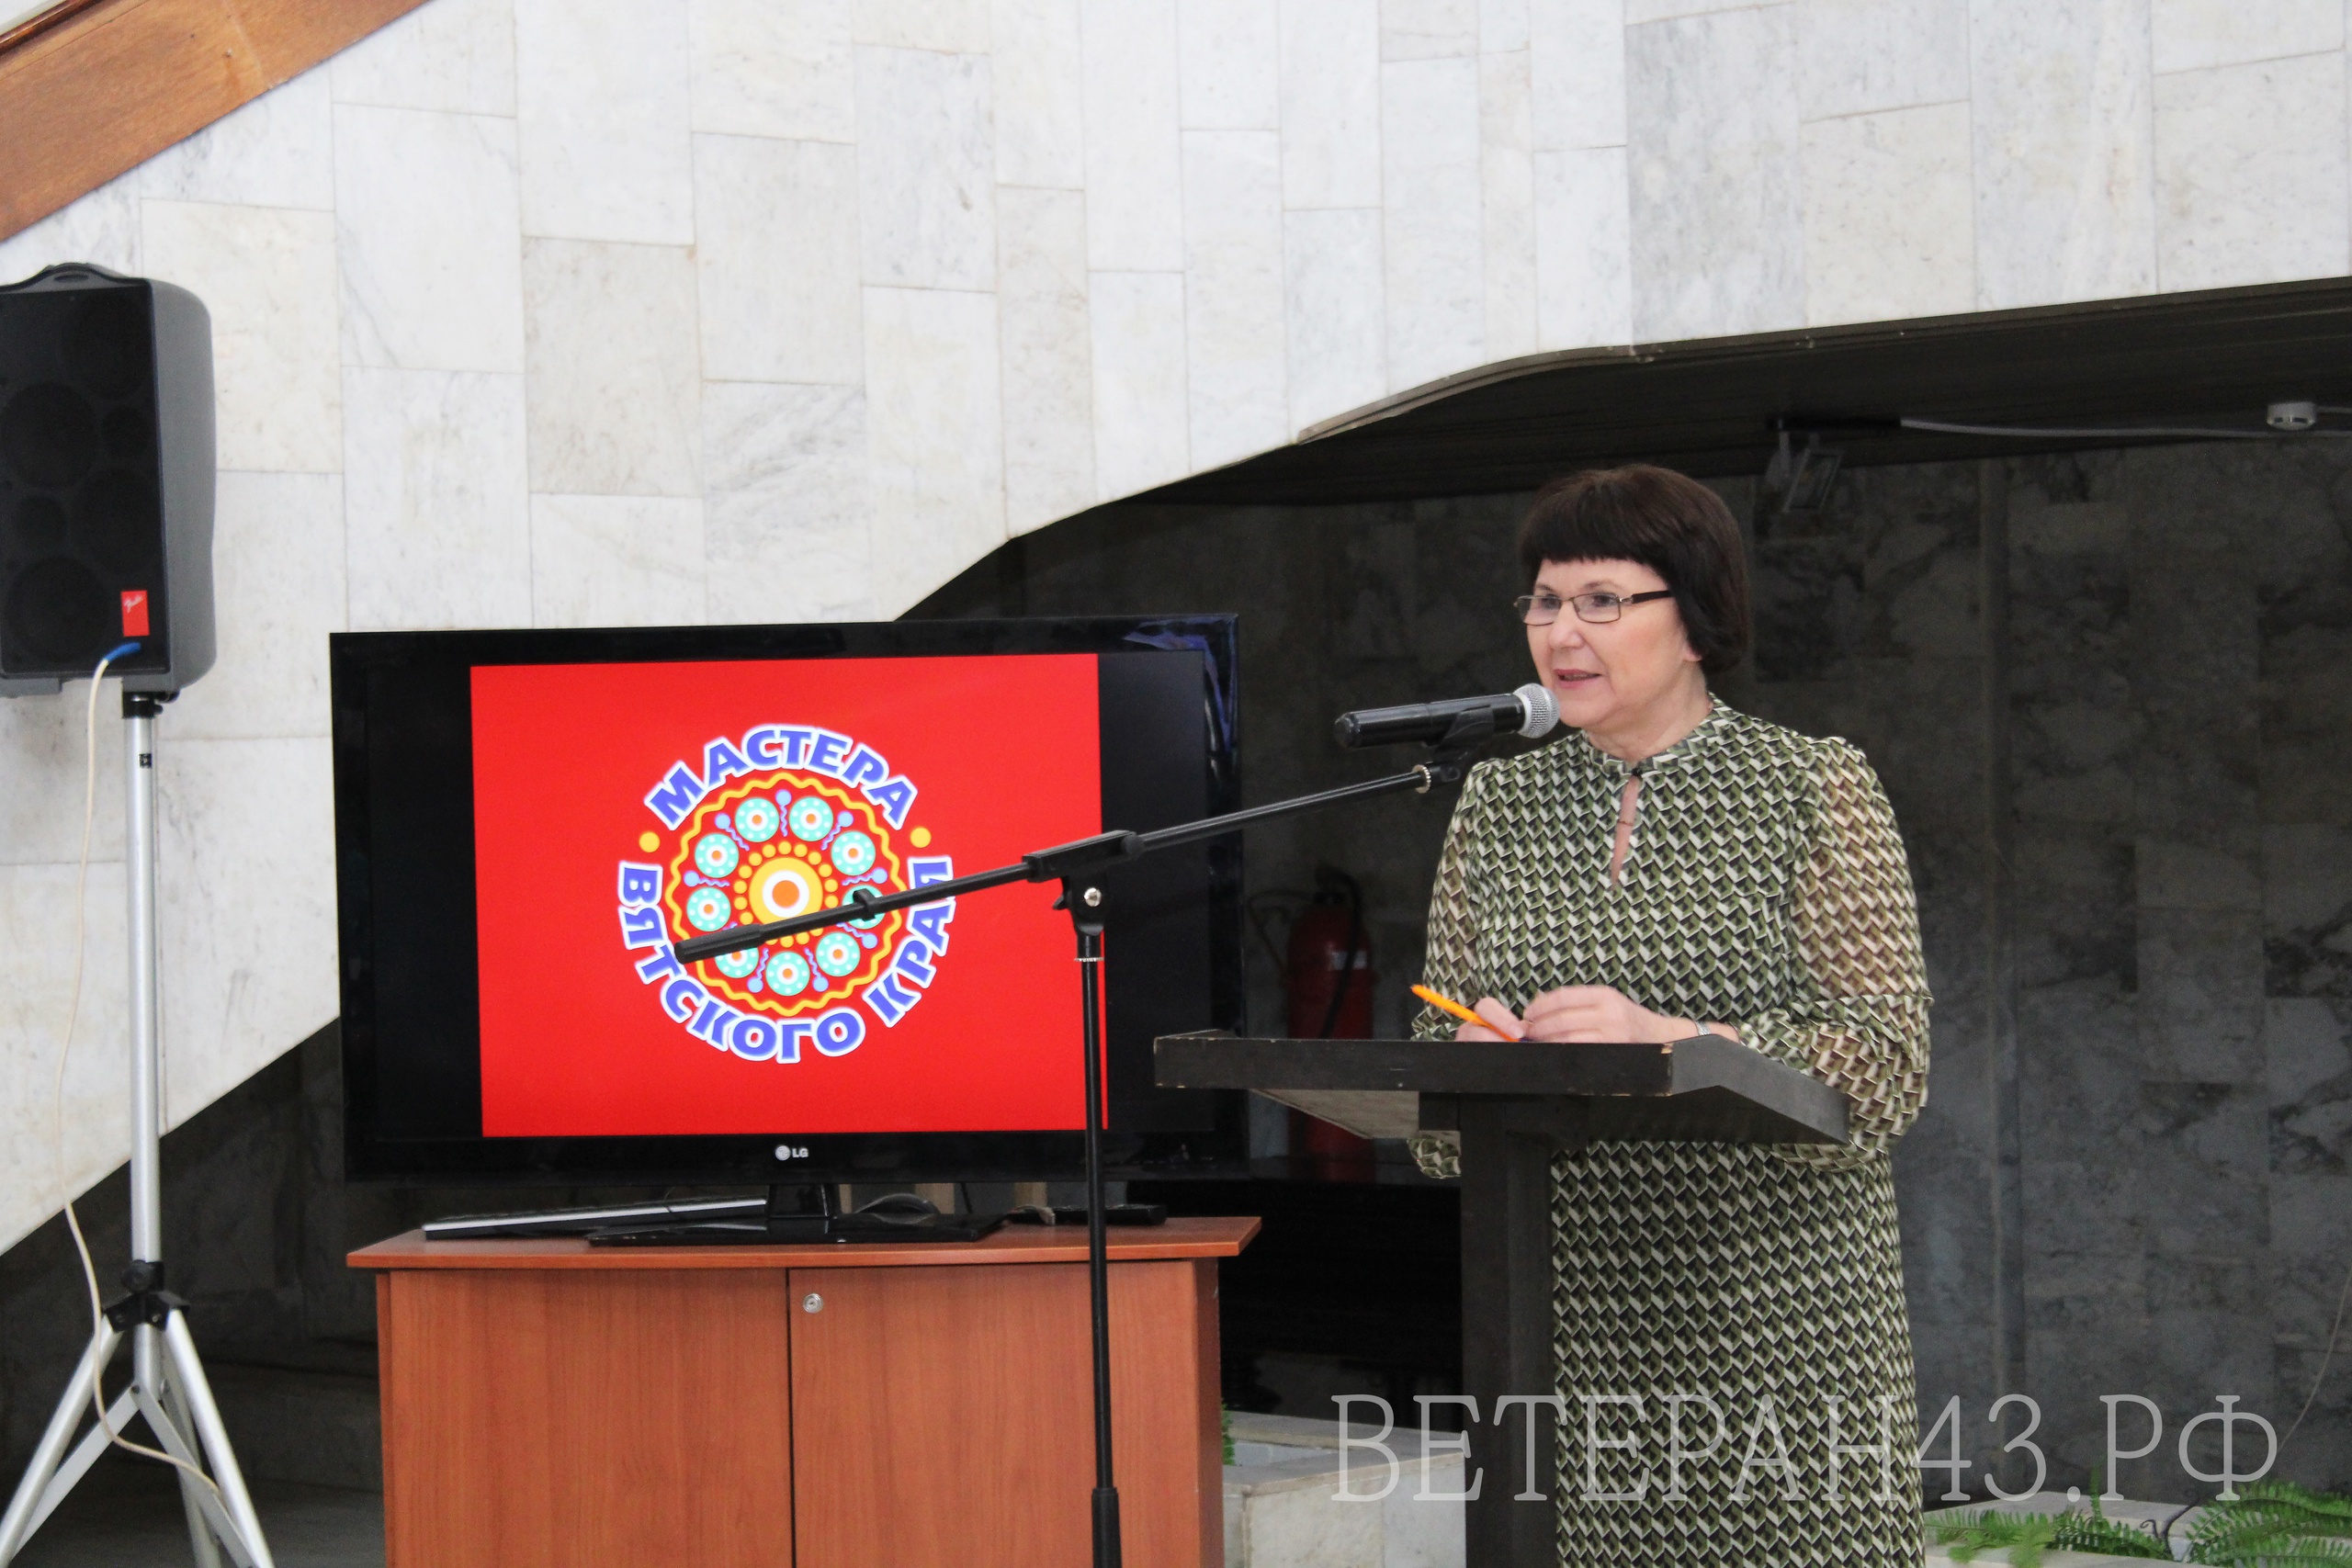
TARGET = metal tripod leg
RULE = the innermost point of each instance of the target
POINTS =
(187, 1375)
(32, 1503)
(193, 1495)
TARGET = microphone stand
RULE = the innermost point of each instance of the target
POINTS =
(1073, 864)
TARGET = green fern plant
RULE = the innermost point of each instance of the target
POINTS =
(2027, 1536)
(2274, 1524)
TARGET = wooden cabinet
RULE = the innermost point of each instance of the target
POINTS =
(546, 1402)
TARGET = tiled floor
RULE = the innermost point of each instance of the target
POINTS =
(126, 1514)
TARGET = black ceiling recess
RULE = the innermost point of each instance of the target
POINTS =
(1710, 407)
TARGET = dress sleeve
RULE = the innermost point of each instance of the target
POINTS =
(1446, 969)
(1859, 1020)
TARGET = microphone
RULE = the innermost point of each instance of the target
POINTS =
(1530, 711)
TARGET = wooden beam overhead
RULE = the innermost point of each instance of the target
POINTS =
(88, 93)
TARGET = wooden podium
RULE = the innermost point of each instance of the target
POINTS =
(547, 1403)
(1516, 1104)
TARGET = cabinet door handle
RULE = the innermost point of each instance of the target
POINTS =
(812, 1302)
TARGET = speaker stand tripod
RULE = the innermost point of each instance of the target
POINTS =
(167, 1386)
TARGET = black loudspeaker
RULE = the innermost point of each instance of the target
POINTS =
(106, 480)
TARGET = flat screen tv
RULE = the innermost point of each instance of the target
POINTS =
(526, 821)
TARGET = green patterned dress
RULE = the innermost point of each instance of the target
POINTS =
(1766, 887)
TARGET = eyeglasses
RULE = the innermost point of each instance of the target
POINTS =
(1543, 609)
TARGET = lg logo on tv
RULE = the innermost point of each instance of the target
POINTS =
(786, 1151)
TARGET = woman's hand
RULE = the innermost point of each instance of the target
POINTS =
(1501, 1022)
(1588, 1013)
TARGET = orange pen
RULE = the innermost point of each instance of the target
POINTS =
(1447, 1004)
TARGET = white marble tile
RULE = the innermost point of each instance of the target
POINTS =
(42, 752)
(1427, 29)
(1432, 221)
(772, 68)
(2192, 35)
(245, 909)
(614, 374)
(102, 228)
(953, 25)
(1576, 73)
(1889, 230)
(431, 241)
(1140, 404)
(1228, 54)
(617, 561)
(277, 151)
(1503, 25)
(1507, 203)
(1713, 181)
(453, 55)
(934, 435)
(926, 168)
(267, 276)
(1135, 214)
(1048, 355)
(1037, 68)
(785, 505)
(1232, 295)
(436, 516)
(1860, 56)
(1583, 248)
(36, 960)
(768, 211)
(1330, 103)
(278, 589)
(2064, 163)
(1639, 11)
(2230, 207)
(1332, 306)
(603, 95)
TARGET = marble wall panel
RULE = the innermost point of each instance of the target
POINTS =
(1047, 353)
(956, 26)
(242, 826)
(1503, 25)
(436, 509)
(103, 227)
(1330, 103)
(603, 90)
(1862, 56)
(935, 436)
(278, 591)
(1583, 249)
(428, 230)
(1135, 214)
(1431, 187)
(1507, 203)
(2306, 712)
(45, 743)
(1713, 175)
(1235, 386)
(2307, 1045)
(1888, 209)
(2063, 128)
(2200, 995)
(37, 978)
(1427, 29)
(772, 68)
(1332, 298)
(615, 379)
(1037, 66)
(267, 276)
(277, 151)
(925, 170)
(453, 55)
(1227, 76)
(617, 561)
(785, 507)
(2230, 209)
(767, 210)
(1576, 71)
(1141, 404)
(2192, 35)
(2307, 910)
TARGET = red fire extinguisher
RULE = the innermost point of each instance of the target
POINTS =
(1329, 977)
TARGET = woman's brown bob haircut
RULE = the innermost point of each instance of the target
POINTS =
(1669, 523)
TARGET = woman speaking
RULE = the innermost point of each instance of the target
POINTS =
(1678, 867)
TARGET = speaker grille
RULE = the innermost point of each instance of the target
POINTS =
(50, 434)
(53, 608)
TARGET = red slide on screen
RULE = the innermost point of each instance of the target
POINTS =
(619, 808)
